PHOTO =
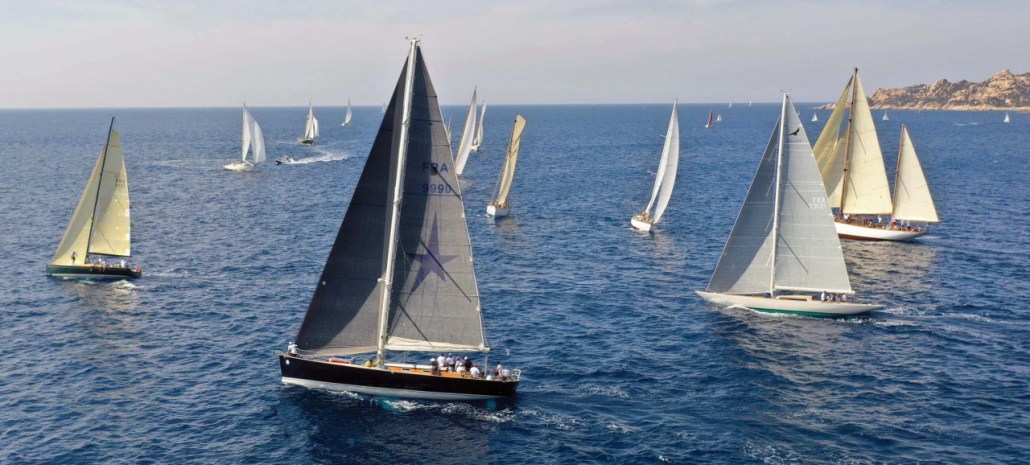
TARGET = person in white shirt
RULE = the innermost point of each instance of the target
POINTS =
(475, 371)
(291, 348)
(441, 361)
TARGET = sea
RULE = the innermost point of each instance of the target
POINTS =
(621, 361)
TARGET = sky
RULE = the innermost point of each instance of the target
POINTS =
(196, 53)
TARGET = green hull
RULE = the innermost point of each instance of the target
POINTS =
(794, 312)
(94, 272)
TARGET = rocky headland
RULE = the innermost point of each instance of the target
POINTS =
(1003, 91)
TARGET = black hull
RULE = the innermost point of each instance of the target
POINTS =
(356, 378)
(95, 272)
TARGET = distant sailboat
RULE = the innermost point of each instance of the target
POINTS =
(783, 251)
(498, 207)
(709, 123)
(384, 109)
(749, 104)
(853, 171)
(348, 116)
(478, 139)
(664, 180)
(730, 105)
(252, 139)
(100, 226)
(467, 136)
(815, 117)
(885, 117)
(310, 128)
(447, 130)
(718, 118)
(399, 277)
(1006, 120)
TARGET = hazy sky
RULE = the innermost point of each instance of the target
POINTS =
(139, 53)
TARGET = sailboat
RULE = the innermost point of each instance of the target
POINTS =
(478, 139)
(718, 118)
(252, 139)
(783, 255)
(467, 137)
(347, 117)
(709, 123)
(730, 105)
(856, 152)
(498, 206)
(664, 180)
(885, 117)
(815, 117)
(1006, 120)
(310, 128)
(99, 227)
(399, 277)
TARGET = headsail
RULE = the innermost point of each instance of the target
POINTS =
(829, 148)
(252, 138)
(100, 223)
(508, 170)
(479, 131)
(666, 177)
(434, 302)
(347, 117)
(912, 200)
(467, 136)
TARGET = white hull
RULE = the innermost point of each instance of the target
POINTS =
(862, 233)
(801, 307)
(239, 166)
(496, 212)
(641, 225)
(382, 392)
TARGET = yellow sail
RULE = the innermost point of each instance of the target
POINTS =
(912, 200)
(103, 211)
(829, 149)
(865, 189)
(508, 170)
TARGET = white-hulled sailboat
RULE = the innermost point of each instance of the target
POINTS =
(853, 172)
(479, 130)
(815, 117)
(718, 118)
(347, 117)
(885, 117)
(783, 255)
(1006, 120)
(664, 180)
(253, 143)
(708, 123)
(100, 226)
(310, 128)
(400, 276)
(498, 206)
(467, 137)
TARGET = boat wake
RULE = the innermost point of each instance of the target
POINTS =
(325, 156)
(966, 124)
(474, 412)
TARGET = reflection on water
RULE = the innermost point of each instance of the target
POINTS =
(901, 265)
(113, 296)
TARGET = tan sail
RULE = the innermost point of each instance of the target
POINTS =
(865, 189)
(912, 200)
(829, 149)
(102, 212)
(508, 171)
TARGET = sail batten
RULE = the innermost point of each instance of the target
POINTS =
(912, 199)
(433, 298)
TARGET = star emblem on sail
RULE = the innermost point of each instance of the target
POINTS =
(431, 262)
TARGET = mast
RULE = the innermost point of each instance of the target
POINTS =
(776, 203)
(100, 179)
(847, 149)
(395, 212)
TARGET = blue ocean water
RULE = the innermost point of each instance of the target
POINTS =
(622, 362)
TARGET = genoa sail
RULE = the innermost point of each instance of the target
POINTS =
(508, 170)
(912, 199)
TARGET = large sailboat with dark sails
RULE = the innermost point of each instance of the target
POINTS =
(399, 277)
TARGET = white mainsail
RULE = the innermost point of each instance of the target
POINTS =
(467, 136)
(508, 170)
(666, 177)
(479, 131)
(311, 125)
(100, 224)
(784, 237)
(348, 116)
(912, 199)
(253, 138)
(1006, 118)
(885, 117)
(815, 117)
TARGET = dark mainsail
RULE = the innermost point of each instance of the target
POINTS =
(434, 302)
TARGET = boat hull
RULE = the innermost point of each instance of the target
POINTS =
(815, 308)
(239, 166)
(94, 272)
(863, 233)
(306, 141)
(496, 212)
(318, 374)
(641, 225)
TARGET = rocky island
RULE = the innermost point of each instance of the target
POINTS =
(1003, 91)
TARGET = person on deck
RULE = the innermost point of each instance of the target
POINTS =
(468, 364)
(74, 256)
(291, 348)
(474, 371)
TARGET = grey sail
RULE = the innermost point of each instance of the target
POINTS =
(746, 261)
(808, 252)
(434, 302)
